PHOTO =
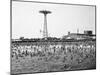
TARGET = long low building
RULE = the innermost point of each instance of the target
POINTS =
(85, 35)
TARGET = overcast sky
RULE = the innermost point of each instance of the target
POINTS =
(27, 21)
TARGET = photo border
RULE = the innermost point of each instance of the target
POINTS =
(50, 3)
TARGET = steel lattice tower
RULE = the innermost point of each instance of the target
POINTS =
(45, 30)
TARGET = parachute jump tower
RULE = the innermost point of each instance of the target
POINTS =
(45, 30)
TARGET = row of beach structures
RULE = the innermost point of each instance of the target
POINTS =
(87, 35)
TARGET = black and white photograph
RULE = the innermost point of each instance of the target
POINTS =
(52, 37)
